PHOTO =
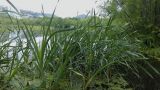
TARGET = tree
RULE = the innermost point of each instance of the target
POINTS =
(142, 16)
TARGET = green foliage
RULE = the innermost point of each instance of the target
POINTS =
(140, 19)
(83, 52)
(80, 54)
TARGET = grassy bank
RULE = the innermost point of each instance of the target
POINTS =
(94, 53)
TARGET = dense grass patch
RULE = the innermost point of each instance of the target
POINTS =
(94, 53)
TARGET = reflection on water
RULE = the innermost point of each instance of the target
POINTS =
(15, 38)
(17, 41)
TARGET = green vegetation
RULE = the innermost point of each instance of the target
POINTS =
(119, 51)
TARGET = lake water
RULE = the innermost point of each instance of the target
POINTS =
(15, 39)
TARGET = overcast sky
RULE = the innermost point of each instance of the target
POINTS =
(66, 8)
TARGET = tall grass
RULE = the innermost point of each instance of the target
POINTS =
(69, 59)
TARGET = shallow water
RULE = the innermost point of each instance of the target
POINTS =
(17, 40)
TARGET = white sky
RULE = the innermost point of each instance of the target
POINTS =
(66, 8)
